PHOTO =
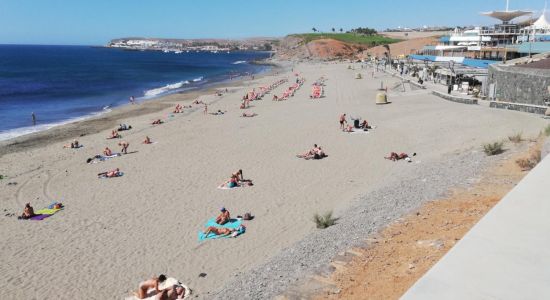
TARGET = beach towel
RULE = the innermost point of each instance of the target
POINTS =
(242, 184)
(232, 224)
(169, 282)
(44, 213)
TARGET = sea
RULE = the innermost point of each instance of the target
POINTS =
(63, 84)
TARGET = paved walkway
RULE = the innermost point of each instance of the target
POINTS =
(505, 256)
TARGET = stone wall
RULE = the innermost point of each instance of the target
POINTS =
(519, 85)
(529, 108)
(455, 98)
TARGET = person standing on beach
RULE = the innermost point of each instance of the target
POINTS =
(343, 121)
(205, 109)
(132, 100)
(33, 118)
(124, 146)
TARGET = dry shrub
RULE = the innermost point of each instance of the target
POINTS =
(529, 163)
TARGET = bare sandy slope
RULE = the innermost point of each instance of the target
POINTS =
(116, 232)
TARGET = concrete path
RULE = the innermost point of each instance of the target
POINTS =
(505, 256)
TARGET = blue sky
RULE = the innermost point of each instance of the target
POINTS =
(95, 22)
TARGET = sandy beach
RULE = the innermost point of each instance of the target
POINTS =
(115, 233)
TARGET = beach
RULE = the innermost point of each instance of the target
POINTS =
(117, 232)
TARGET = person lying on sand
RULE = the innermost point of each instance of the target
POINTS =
(247, 115)
(174, 293)
(114, 135)
(219, 112)
(156, 122)
(107, 152)
(348, 128)
(28, 212)
(178, 109)
(223, 217)
(395, 157)
(124, 146)
(198, 102)
(73, 145)
(147, 140)
(221, 231)
(152, 283)
(109, 174)
(342, 121)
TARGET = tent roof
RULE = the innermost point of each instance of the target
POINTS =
(542, 22)
(506, 16)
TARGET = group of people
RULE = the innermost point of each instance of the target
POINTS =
(289, 92)
(357, 124)
(173, 292)
(315, 153)
(317, 90)
(73, 145)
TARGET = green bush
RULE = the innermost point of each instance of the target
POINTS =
(547, 130)
(325, 220)
(493, 148)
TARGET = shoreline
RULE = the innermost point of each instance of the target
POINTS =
(105, 120)
(147, 221)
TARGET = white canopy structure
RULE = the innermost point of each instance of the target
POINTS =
(506, 16)
(542, 22)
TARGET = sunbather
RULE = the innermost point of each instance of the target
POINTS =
(395, 157)
(246, 115)
(74, 144)
(114, 135)
(348, 128)
(124, 146)
(28, 212)
(152, 283)
(147, 140)
(109, 174)
(173, 293)
(238, 175)
(107, 152)
(156, 122)
(365, 125)
(222, 231)
(223, 217)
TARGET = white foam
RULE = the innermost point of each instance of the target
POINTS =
(166, 88)
(198, 79)
(240, 62)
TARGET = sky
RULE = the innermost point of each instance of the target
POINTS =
(95, 22)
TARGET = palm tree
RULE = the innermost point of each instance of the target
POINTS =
(341, 30)
(314, 29)
(333, 30)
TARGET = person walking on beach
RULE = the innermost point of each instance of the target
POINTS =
(33, 118)
(132, 100)
(343, 121)
(205, 109)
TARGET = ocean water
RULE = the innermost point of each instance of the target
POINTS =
(61, 84)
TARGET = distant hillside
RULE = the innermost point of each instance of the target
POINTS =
(328, 45)
(349, 38)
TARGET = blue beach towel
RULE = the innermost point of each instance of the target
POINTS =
(232, 224)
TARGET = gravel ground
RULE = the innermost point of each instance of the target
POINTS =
(407, 191)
